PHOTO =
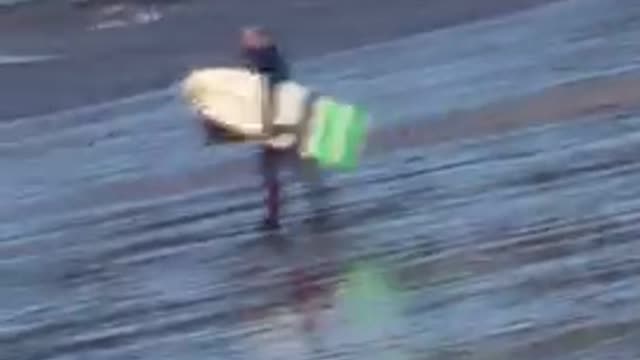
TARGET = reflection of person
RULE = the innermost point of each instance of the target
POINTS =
(312, 272)
(309, 296)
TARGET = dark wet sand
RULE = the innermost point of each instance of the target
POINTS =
(515, 246)
(118, 63)
(606, 97)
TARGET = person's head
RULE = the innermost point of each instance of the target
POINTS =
(255, 36)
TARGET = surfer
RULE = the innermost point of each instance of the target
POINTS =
(261, 55)
(281, 144)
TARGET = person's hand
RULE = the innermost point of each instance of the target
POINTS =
(282, 141)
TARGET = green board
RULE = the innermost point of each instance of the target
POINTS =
(339, 136)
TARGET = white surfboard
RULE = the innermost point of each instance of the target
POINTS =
(232, 98)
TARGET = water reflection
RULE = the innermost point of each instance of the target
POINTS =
(333, 304)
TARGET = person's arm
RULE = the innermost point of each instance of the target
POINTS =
(253, 60)
(269, 64)
(283, 66)
(266, 111)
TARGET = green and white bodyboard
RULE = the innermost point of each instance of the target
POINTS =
(338, 134)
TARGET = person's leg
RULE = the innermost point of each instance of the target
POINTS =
(308, 169)
(318, 193)
(270, 158)
(269, 168)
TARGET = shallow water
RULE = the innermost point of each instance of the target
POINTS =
(25, 59)
(124, 238)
